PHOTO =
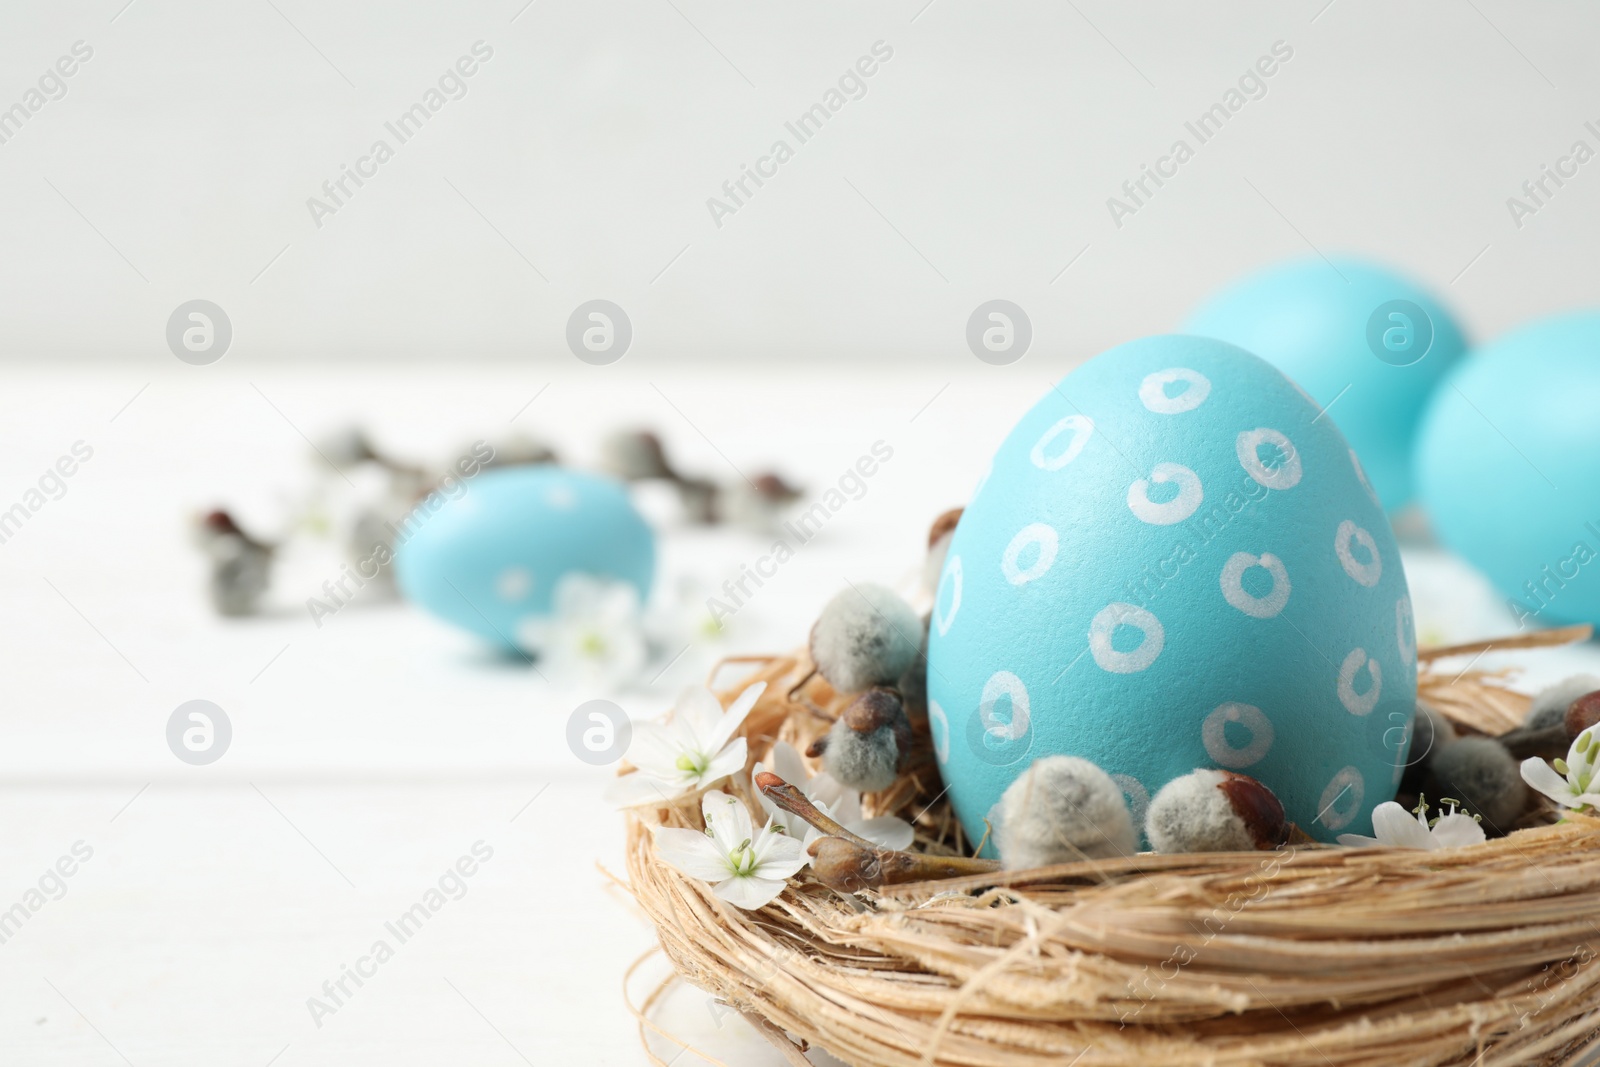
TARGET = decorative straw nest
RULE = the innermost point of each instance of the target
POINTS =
(1313, 955)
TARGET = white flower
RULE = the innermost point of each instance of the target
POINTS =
(1398, 828)
(748, 867)
(1573, 790)
(696, 749)
(832, 798)
(593, 634)
(681, 613)
(681, 622)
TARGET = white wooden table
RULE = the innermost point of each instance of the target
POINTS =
(371, 754)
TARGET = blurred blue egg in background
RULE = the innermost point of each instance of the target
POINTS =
(1368, 345)
(1508, 467)
(488, 558)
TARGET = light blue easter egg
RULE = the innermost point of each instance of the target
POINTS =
(1508, 461)
(490, 557)
(1366, 343)
(1175, 563)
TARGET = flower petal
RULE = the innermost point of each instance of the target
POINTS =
(885, 831)
(1456, 831)
(787, 764)
(727, 762)
(628, 654)
(618, 605)
(654, 748)
(792, 824)
(691, 852)
(728, 821)
(731, 720)
(845, 807)
(1395, 827)
(773, 811)
(1543, 777)
(825, 789)
(1358, 841)
(698, 713)
(778, 855)
(1594, 737)
(749, 892)
(632, 790)
(576, 595)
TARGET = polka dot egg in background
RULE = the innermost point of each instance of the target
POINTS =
(488, 557)
(1176, 561)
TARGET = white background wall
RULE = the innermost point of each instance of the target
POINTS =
(977, 166)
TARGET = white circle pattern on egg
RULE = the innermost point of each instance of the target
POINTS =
(1003, 684)
(1341, 800)
(1258, 607)
(1405, 630)
(1359, 703)
(562, 498)
(1104, 625)
(1034, 534)
(1153, 391)
(513, 583)
(939, 727)
(1168, 512)
(1284, 476)
(1081, 427)
(942, 620)
(1368, 573)
(1213, 732)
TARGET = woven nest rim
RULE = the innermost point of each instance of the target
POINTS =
(1312, 955)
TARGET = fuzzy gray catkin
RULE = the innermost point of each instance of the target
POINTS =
(1549, 706)
(1060, 810)
(867, 635)
(1479, 772)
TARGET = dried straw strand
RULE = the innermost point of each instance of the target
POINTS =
(1306, 957)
